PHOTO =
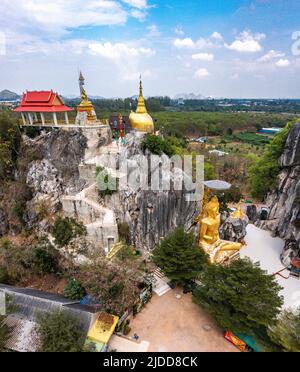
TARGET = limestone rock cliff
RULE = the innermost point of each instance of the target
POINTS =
(284, 202)
(150, 214)
(67, 172)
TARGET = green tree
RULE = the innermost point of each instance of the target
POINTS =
(158, 146)
(74, 290)
(9, 144)
(286, 331)
(59, 332)
(112, 283)
(179, 258)
(66, 229)
(209, 171)
(240, 296)
(263, 174)
(45, 257)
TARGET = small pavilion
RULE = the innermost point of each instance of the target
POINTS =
(43, 102)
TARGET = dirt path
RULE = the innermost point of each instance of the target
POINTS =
(178, 325)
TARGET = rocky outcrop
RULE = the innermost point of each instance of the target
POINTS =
(284, 216)
(45, 179)
(61, 152)
(290, 252)
(67, 173)
(234, 229)
(151, 215)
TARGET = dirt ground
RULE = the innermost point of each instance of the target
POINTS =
(178, 325)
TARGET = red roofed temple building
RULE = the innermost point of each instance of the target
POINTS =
(44, 102)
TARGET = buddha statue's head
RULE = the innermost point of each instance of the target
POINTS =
(213, 208)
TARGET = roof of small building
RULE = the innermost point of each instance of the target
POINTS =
(42, 101)
(103, 328)
(29, 302)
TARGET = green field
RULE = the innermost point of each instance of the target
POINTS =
(215, 123)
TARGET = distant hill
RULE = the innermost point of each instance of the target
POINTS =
(7, 95)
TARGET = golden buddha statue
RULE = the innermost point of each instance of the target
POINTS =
(87, 106)
(141, 120)
(219, 251)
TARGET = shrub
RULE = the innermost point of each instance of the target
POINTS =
(66, 229)
(124, 232)
(74, 290)
(4, 276)
(158, 146)
(60, 332)
(126, 330)
(9, 145)
(45, 257)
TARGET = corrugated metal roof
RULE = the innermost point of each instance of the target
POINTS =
(23, 337)
(29, 302)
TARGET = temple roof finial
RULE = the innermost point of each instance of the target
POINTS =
(81, 77)
(141, 86)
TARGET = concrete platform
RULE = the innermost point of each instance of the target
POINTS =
(124, 345)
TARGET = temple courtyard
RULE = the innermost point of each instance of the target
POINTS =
(263, 248)
(173, 323)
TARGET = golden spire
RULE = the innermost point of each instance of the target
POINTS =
(141, 86)
(84, 96)
(141, 120)
(86, 106)
(141, 107)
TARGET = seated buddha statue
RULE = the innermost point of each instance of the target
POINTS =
(218, 250)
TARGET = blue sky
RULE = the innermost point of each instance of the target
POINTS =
(228, 48)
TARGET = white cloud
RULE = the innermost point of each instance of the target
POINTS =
(283, 63)
(272, 54)
(184, 43)
(58, 16)
(179, 30)
(201, 73)
(203, 57)
(153, 31)
(247, 43)
(127, 58)
(118, 50)
(191, 44)
(140, 4)
(216, 35)
(138, 14)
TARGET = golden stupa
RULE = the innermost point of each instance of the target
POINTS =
(141, 120)
(86, 106)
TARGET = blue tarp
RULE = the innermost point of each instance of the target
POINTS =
(250, 341)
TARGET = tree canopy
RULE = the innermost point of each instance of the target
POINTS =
(286, 331)
(263, 173)
(179, 258)
(9, 143)
(60, 332)
(240, 296)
